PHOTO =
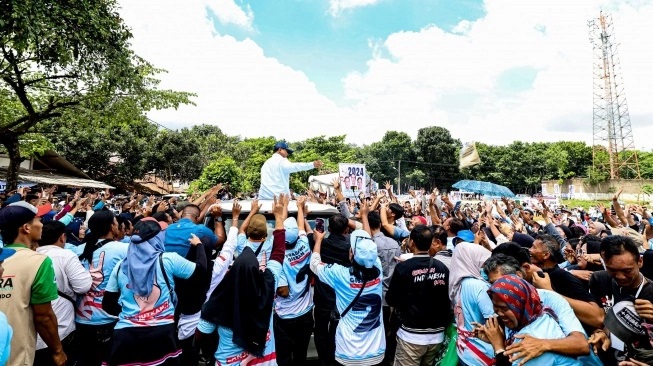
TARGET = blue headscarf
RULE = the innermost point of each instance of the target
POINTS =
(141, 261)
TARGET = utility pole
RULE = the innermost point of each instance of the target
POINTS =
(399, 179)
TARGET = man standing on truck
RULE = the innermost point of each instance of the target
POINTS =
(275, 172)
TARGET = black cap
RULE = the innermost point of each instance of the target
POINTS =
(146, 229)
(283, 145)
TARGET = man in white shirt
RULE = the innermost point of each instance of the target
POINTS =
(71, 278)
(275, 172)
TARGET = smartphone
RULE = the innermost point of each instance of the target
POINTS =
(515, 212)
(319, 225)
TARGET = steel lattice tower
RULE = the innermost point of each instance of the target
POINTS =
(613, 133)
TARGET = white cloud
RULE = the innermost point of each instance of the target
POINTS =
(429, 77)
(228, 12)
(338, 6)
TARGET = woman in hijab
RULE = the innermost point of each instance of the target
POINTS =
(100, 254)
(468, 293)
(596, 228)
(520, 311)
(141, 291)
(240, 307)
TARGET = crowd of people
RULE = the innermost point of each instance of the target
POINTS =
(97, 280)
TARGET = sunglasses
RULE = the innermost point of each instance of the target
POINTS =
(358, 239)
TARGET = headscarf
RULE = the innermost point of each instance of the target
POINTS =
(243, 303)
(599, 227)
(140, 264)
(466, 261)
(522, 299)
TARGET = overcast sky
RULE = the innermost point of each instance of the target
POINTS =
(493, 71)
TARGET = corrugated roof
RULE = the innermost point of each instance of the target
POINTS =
(44, 177)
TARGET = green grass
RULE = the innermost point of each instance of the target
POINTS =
(584, 203)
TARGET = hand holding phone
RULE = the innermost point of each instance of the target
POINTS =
(319, 225)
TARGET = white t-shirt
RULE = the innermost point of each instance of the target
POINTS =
(72, 278)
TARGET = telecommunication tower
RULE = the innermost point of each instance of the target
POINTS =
(613, 133)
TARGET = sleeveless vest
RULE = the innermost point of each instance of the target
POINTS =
(15, 293)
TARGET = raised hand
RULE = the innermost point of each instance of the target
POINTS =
(194, 240)
(336, 183)
(617, 194)
(278, 207)
(236, 208)
(256, 207)
(216, 210)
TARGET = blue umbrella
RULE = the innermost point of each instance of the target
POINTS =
(486, 188)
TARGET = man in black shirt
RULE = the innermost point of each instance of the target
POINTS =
(335, 250)
(622, 281)
(546, 254)
(419, 292)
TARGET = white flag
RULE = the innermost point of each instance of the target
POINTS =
(469, 155)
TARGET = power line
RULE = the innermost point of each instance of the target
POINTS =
(417, 162)
(158, 124)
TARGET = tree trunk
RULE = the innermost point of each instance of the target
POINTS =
(10, 141)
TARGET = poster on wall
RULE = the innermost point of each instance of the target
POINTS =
(572, 191)
(352, 179)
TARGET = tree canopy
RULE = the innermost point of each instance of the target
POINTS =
(60, 56)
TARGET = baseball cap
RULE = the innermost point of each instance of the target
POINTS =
(147, 228)
(466, 236)
(529, 211)
(623, 321)
(6, 253)
(283, 145)
(365, 251)
(258, 227)
(422, 220)
(17, 214)
(292, 231)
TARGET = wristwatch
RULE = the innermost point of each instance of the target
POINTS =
(219, 219)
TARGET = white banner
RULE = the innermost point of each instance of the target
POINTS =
(353, 179)
(3, 185)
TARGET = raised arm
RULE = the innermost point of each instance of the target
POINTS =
(280, 210)
(253, 211)
(289, 167)
(385, 224)
(364, 211)
(617, 207)
(606, 215)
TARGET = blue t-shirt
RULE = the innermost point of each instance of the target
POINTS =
(568, 322)
(5, 339)
(243, 242)
(545, 327)
(89, 307)
(177, 236)
(296, 275)
(473, 304)
(399, 233)
(156, 309)
(230, 354)
(360, 335)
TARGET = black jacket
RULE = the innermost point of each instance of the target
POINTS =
(419, 290)
(335, 250)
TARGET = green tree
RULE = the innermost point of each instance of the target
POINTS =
(250, 154)
(439, 152)
(55, 55)
(223, 170)
(331, 150)
(382, 157)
